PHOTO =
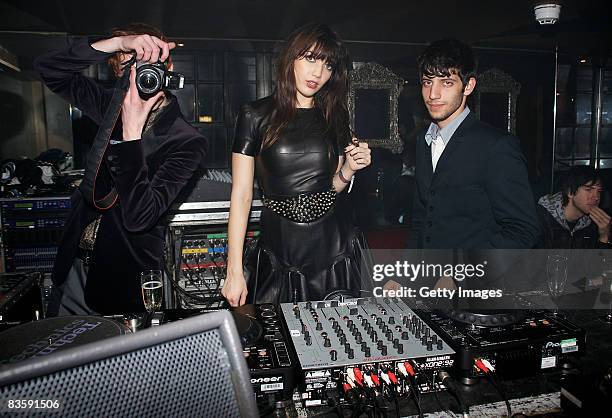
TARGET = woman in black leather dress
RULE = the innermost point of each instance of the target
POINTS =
(298, 142)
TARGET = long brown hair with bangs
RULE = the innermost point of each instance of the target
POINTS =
(331, 99)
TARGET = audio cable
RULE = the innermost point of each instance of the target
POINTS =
(407, 371)
(449, 382)
(489, 371)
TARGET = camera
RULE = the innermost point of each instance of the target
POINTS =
(151, 78)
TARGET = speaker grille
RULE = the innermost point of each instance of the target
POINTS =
(190, 376)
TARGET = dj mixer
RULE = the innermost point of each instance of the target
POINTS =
(378, 343)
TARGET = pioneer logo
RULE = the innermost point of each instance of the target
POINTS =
(272, 379)
(551, 344)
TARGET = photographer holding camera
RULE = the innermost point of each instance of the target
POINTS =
(150, 155)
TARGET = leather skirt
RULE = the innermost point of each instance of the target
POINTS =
(295, 261)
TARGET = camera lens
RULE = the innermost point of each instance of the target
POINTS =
(148, 81)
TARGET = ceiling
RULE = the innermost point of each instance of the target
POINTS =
(584, 25)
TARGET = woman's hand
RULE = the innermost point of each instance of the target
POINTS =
(358, 155)
(235, 289)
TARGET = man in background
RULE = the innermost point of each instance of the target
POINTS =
(572, 217)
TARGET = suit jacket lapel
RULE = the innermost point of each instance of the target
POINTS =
(455, 142)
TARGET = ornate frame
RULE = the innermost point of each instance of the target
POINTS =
(371, 75)
(495, 80)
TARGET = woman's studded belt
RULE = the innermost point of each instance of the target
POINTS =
(307, 207)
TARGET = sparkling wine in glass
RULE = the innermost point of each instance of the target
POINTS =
(152, 289)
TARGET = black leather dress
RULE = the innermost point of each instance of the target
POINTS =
(296, 261)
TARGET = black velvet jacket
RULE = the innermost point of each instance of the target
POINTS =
(148, 175)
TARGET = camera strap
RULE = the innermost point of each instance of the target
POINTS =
(98, 148)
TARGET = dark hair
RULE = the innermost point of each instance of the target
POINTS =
(445, 57)
(135, 28)
(575, 177)
(332, 97)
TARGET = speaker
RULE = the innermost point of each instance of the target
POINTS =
(192, 367)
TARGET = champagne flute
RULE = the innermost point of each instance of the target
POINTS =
(152, 287)
(605, 294)
(556, 271)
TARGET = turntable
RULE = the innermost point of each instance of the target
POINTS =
(483, 313)
(269, 355)
(517, 342)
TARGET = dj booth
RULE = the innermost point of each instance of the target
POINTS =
(358, 357)
(361, 355)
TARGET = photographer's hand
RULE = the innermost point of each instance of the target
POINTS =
(146, 47)
(135, 110)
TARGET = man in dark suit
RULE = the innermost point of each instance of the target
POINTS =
(152, 156)
(472, 189)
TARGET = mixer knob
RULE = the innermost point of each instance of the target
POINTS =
(380, 344)
(364, 346)
(319, 326)
(297, 313)
(440, 346)
(327, 343)
(367, 352)
(343, 340)
(358, 339)
(383, 350)
(405, 335)
(400, 349)
(389, 335)
(417, 334)
(334, 355)
(429, 346)
(378, 321)
(347, 348)
(395, 343)
(308, 340)
(351, 354)
(374, 336)
(434, 339)
(353, 311)
(427, 331)
(392, 320)
(349, 323)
